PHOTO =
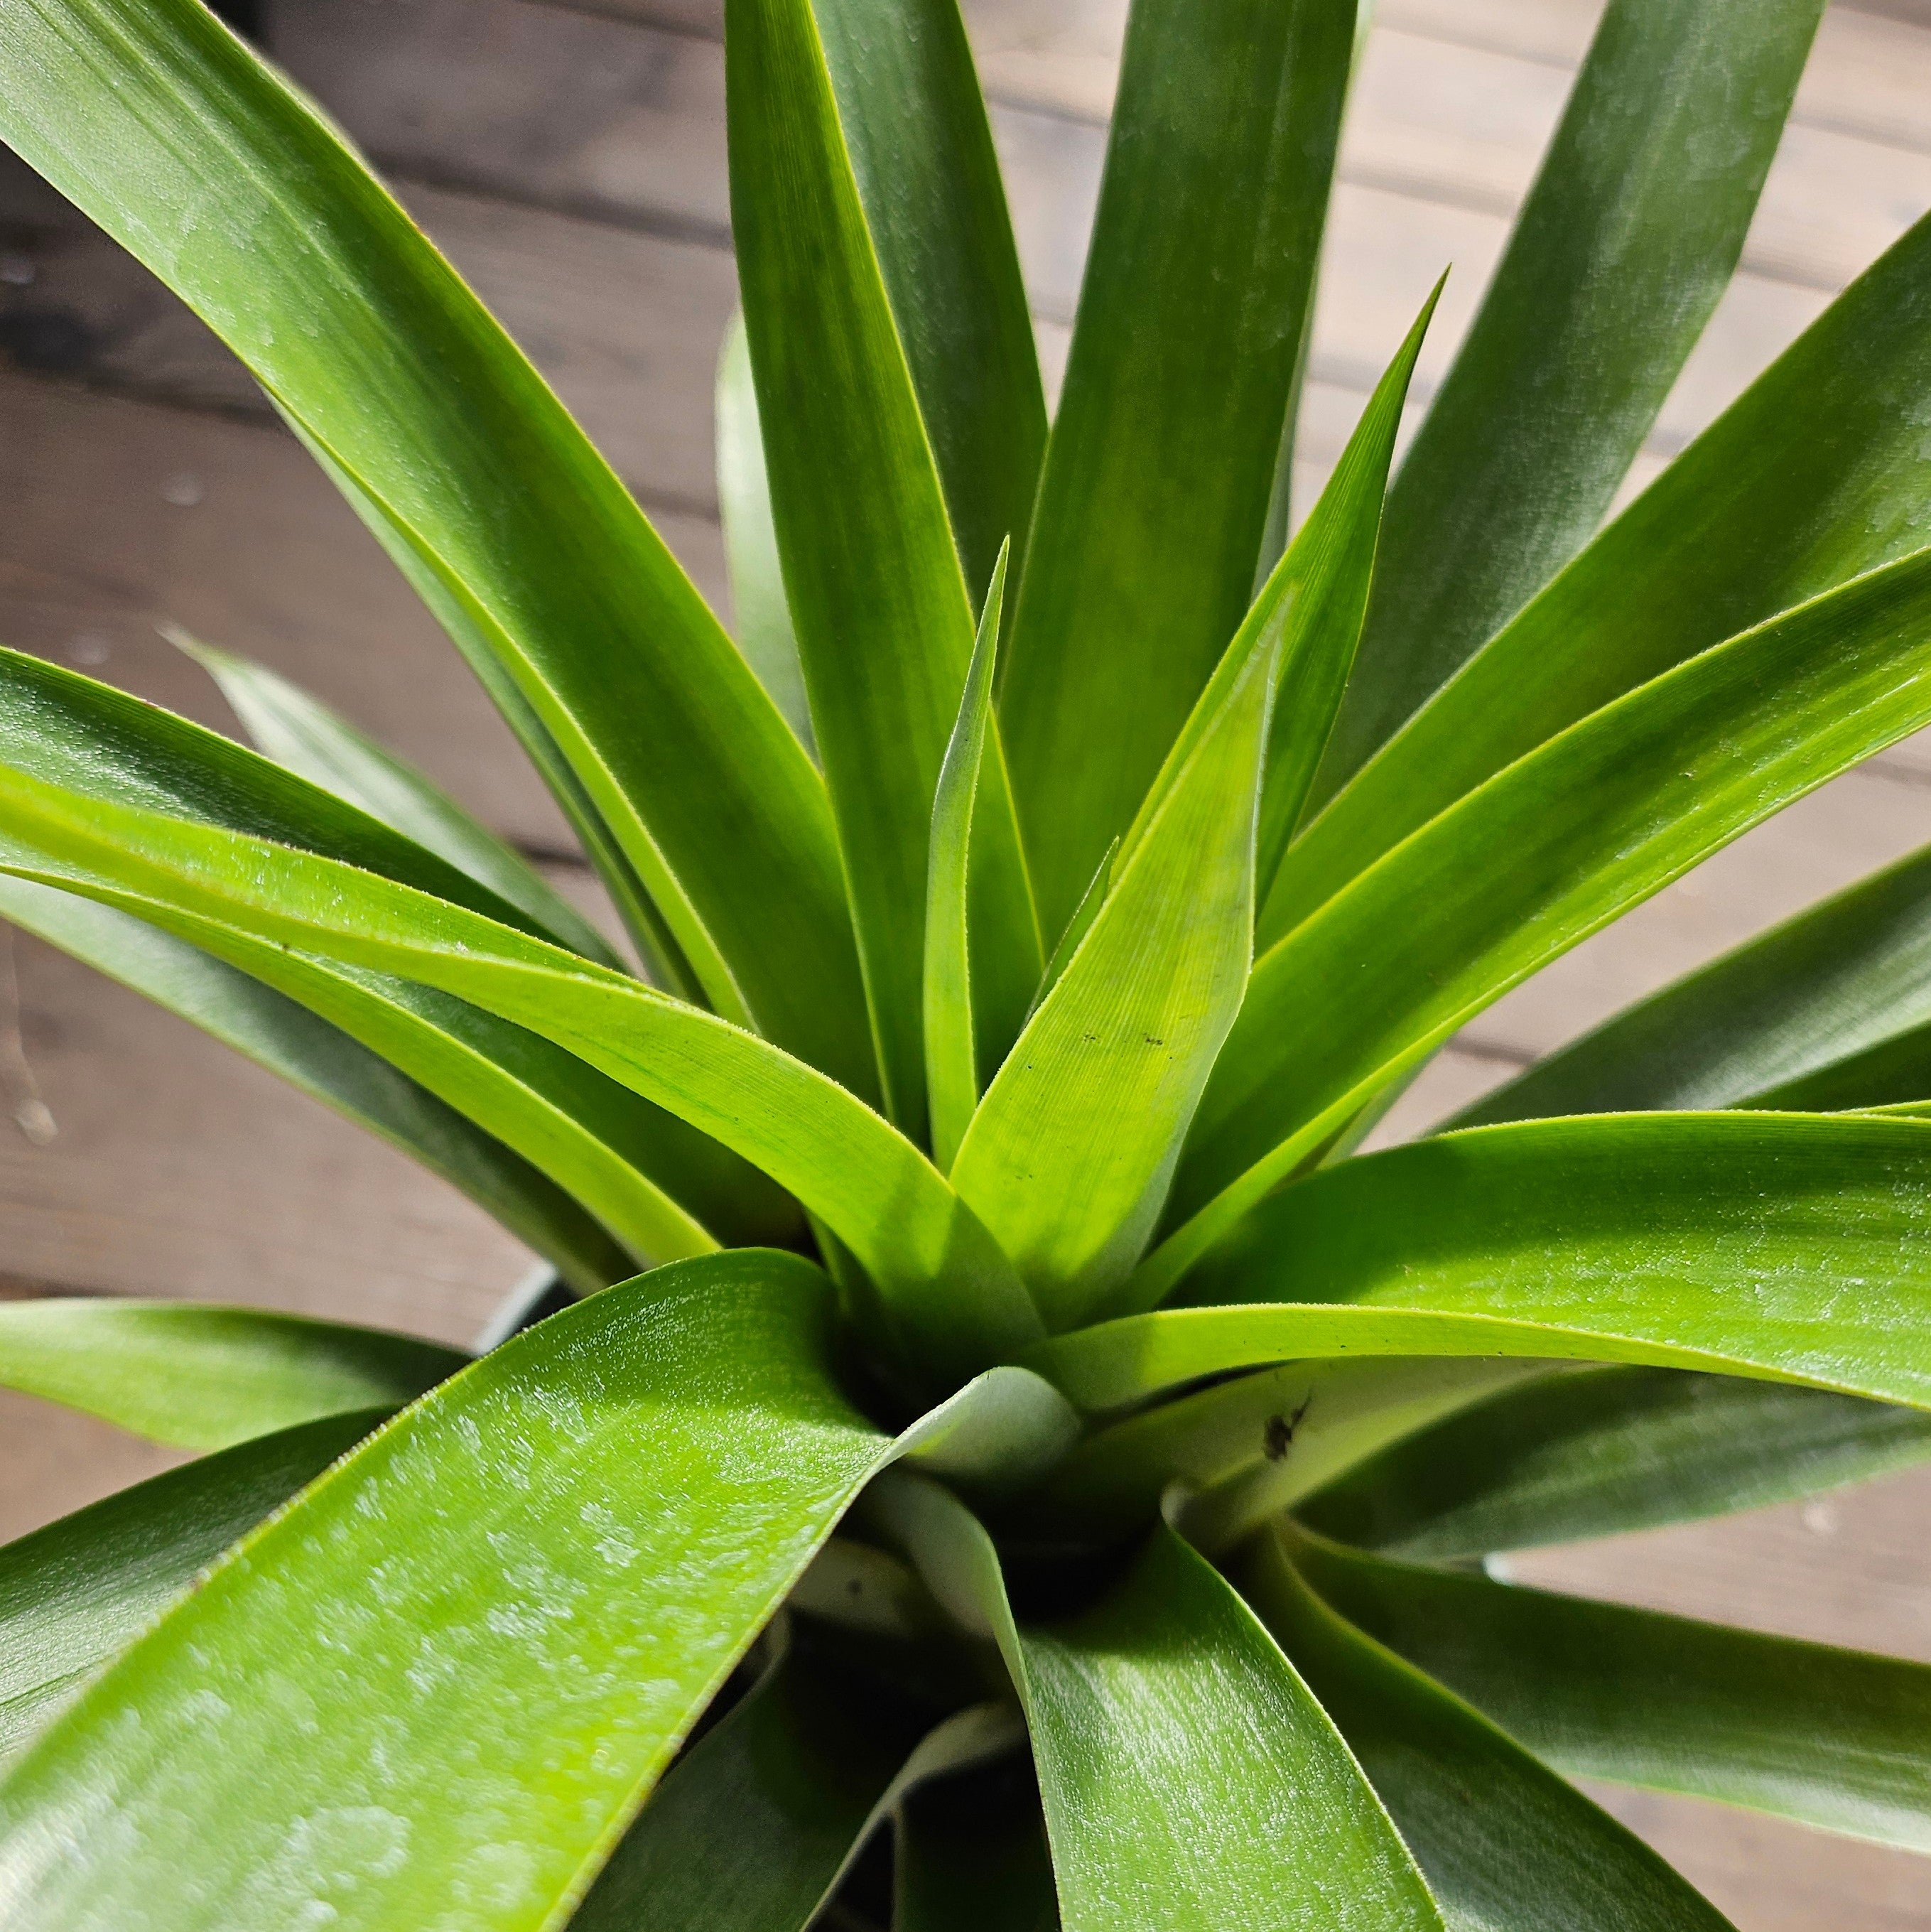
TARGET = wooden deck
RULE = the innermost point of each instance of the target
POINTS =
(570, 160)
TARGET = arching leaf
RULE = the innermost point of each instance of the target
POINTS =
(1599, 1451)
(1504, 1842)
(198, 1377)
(873, 1187)
(326, 1064)
(1837, 1738)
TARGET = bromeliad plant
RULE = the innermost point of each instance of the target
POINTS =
(1042, 1470)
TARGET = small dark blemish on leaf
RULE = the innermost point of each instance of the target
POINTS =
(1278, 1435)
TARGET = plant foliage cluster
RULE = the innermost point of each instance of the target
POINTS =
(1043, 1474)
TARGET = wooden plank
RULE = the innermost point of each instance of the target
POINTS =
(1870, 75)
(1766, 1876)
(1443, 121)
(115, 515)
(1849, 1568)
(178, 1168)
(627, 323)
(539, 104)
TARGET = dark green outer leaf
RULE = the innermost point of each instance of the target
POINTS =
(166, 129)
(1818, 472)
(880, 608)
(972, 1856)
(326, 1064)
(1619, 255)
(1691, 1241)
(1821, 1012)
(301, 734)
(841, 1161)
(1520, 871)
(751, 1830)
(1836, 1738)
(1190, 1782)
(922, 156)
(764, 632)
(72, 1594)
(514, 1648)
(1156, 486)
(203, 1378)
(1506, 1846)
(1603, 1450)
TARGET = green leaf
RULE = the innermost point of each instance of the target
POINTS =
(166, 130)
(514, 1648)
(1154, 494)
(1190, 1781)
(203, 1378)
(1505, 1845)
(1077, 927)
(1016, 1428)
(326, 1064)
(1228, 1458)
(1323, 577)
(302, 734)
(951, 1059)
(75, 732)
(895, 1211)
(1827, 1010)
(753, 1828)
(1818, 473)
(1552, 849)
(658, 1186)
(1620, 252)
(764, 632)
(1599, 1451)
(972, 1855)
(880, 604)
(73, 1594)
(1068, 1158)
(927, 178)
(1837, 1738)
(1690, 1240)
